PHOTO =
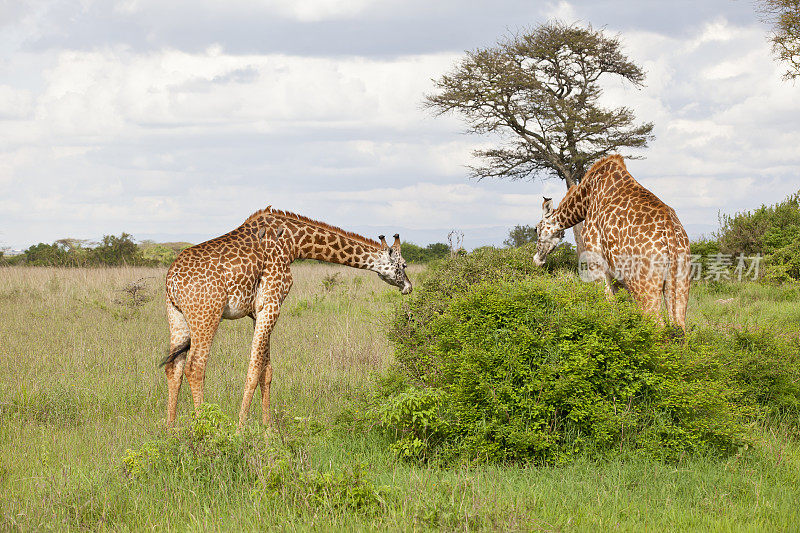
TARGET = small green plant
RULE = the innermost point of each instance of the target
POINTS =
(208, 449)
(293, 480)
(135, 294)
(203, 448)
(331, 281)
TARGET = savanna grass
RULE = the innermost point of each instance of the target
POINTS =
(79, 387)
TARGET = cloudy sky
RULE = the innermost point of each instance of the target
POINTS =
(176, 119)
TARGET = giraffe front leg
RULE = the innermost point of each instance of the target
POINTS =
(259, 365)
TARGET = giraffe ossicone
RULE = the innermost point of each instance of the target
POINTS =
(632, 239)
(246, 273)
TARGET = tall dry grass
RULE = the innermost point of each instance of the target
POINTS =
(79, 385)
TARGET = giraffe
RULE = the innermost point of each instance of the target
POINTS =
(246, 273)
(633, 239)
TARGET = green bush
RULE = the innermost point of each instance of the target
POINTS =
(763, 366)
(762, 230)
(702, 250)
(771, 231)
(207, 452)
(497, 361)
(204, 449)
(783, 265)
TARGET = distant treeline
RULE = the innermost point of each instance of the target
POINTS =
(417, 254)
(121, 250)
(112, 250)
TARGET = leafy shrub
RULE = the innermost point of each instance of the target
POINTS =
(763, 366)
(783, 265)
(540, 371)
(762, 230)
(563, 257)
(205, 448)
(208, 450)
(771, 231)
(496, 361)
(702, 250)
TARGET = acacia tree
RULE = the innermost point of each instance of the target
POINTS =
(784, 17)
(520, 235)
(540, 91)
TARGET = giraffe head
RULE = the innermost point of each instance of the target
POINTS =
(548, 233)
(390, 265)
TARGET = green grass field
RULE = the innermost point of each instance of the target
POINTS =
(79, 385)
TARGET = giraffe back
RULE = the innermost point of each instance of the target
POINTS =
(226, 268)
(628, 222)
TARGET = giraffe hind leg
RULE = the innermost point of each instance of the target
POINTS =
(196, 359)
(179, 342)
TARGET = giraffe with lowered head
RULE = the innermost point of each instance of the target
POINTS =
(632, 238)
(246, 273)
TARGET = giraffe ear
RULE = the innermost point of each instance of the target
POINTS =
(279, 232)
(261, 232)
(547, 206)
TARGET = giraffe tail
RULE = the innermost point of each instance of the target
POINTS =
(181, 348)
(677, 268)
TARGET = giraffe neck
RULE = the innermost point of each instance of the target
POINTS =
(332, 246)
(572, 209)
(305, 238)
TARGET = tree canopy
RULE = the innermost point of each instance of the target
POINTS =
(417, 254)
(519, 235)
(539, 91)
(784, 17)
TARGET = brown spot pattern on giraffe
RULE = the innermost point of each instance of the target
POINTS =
(246, 273)
(623, 221)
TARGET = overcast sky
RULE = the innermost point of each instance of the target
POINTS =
(176, 119)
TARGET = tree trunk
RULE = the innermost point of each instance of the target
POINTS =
(579, 246)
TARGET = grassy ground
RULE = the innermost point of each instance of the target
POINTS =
(79, 386)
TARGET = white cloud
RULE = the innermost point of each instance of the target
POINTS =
(315, 10)
(111, 137)
(108, 91)
(561, 10)
(302, 10)
(15, 103)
